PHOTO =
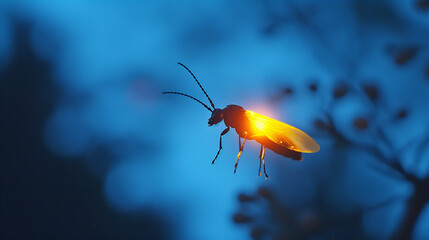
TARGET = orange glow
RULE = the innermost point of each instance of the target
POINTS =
(281, 133)
(263, 109)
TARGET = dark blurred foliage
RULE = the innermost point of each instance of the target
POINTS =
(356, 121)
(42, 195)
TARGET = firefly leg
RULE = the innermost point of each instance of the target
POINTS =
(241, 146)
(263, 163)
(239, 143)
(261, 155)
(220, 143)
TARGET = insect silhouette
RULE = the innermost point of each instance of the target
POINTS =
(277, 136)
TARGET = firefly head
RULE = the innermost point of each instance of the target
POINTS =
(217, 117)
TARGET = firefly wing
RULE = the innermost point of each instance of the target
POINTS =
(282, 133)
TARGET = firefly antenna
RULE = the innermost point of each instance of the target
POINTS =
(186, 95)
(199, 85)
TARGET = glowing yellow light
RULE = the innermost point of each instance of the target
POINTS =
(281, 133)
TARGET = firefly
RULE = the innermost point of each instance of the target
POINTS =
(277, 136)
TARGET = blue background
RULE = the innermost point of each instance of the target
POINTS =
(92, 150)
